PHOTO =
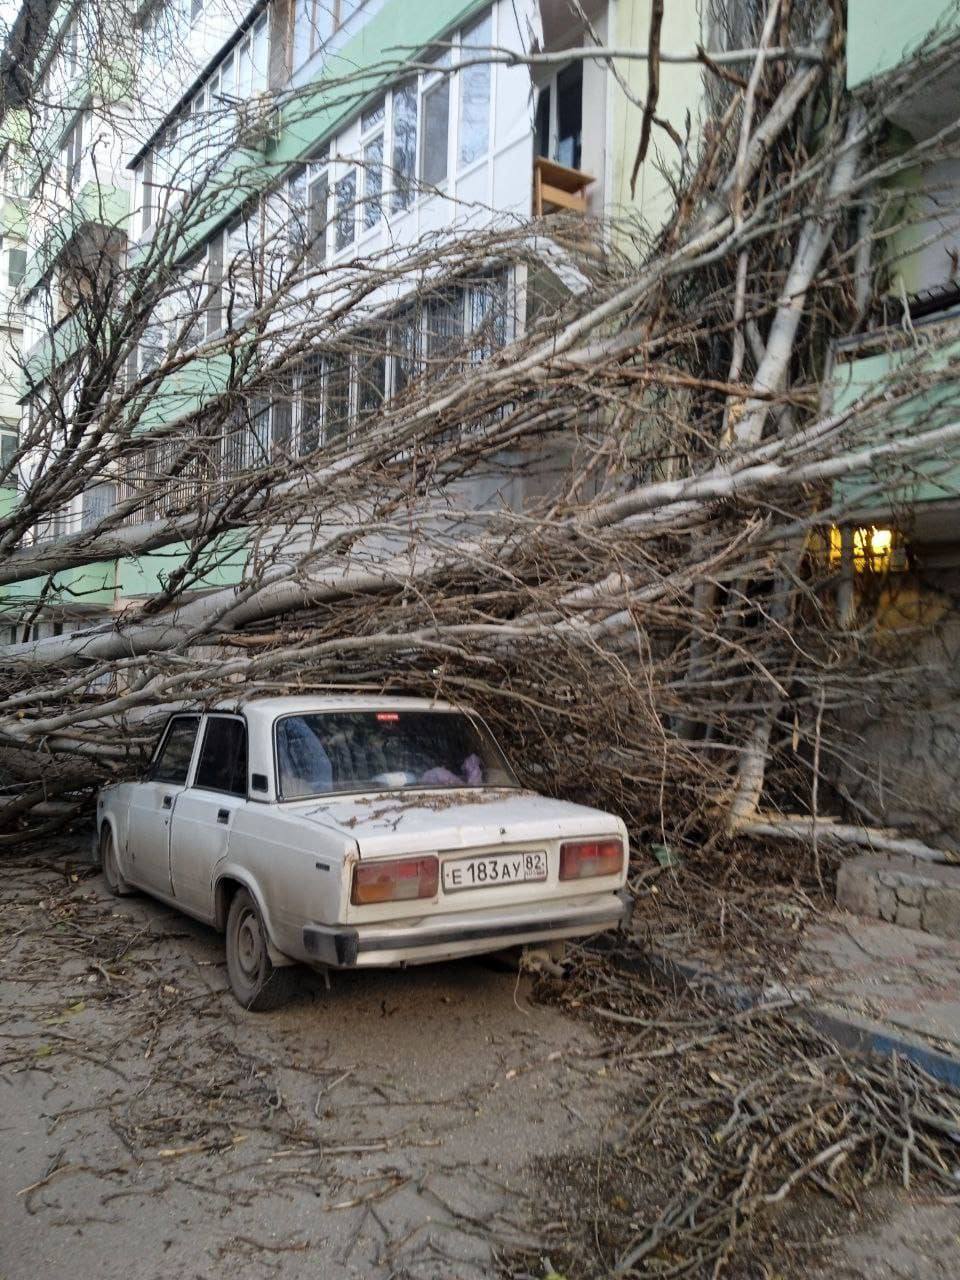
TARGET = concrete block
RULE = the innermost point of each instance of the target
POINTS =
(941, 912)
(887, 901)
(902, 891)
(909, 917)
(910, 895)
(857, 889)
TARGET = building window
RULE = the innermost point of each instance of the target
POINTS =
(281, 416)
(346, 203)
(147, 192)
(71, 153)
(371, 129)
(313, 23)
(98, 501)
(16, 266)
(404, 144)
(8, 451)
(152, 347)
(337, 399)
(435, 132)
(187, 307)
(297, 231)
(475, 94)
(318, 200)
(370, 363)
(345, 9)
(215, 285)
(196, 8)
(253, 57)
(404, 349)
(71, 46)
(311, 403)
(558, 125)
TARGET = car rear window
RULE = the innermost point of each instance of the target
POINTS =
(338, 751)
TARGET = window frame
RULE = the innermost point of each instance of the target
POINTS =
(198, 754)
(149, 776)
(472, 717)
(466, 48)
(431, 83)
(372, 131)
(318, 239)
(345, 210)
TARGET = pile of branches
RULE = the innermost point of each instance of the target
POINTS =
(654, 624)
(731, 1114)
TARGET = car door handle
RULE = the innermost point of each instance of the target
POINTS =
(223, 815)
(168, 802)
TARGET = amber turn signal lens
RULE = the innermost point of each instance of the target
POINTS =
(394, 880)
(582, 859)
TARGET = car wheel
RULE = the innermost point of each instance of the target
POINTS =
(255, 981)
(110, 864)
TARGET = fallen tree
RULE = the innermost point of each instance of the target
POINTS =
(607, 524)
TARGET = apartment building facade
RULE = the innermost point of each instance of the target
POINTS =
(296, 122)
(899, 547)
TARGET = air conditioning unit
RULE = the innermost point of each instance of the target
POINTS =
(258, 123)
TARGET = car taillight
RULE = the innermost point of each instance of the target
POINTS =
(394, 880)
(580, 859)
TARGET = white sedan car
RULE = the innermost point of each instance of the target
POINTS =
(341, 832)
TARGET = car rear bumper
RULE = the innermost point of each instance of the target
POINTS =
(463, 934)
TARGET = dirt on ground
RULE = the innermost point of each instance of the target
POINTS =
(447, 1121)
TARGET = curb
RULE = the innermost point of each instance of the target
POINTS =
(849, 1030)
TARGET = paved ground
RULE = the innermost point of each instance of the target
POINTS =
(387, 1127)
(902, 978)
(149, 1127)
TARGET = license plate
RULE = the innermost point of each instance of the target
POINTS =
(493, 870)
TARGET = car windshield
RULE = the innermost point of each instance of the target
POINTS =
(336, 751)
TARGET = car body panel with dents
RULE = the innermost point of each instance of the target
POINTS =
(406, 865)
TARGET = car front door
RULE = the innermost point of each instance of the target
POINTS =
(152, 805)
(204, 813)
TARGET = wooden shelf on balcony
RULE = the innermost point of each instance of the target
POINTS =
(557, 187)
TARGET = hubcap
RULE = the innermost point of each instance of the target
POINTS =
(249, 944)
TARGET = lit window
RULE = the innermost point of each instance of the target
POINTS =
(873, 549)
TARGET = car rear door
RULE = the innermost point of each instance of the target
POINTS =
(152, 804)
(204, 812)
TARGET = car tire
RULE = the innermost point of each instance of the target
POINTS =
(257, 984)
(110, 864)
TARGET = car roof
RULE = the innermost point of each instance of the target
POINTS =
(268, 708)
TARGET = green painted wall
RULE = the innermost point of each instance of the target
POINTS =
(931, 478)
(92, 584)
(880, 33)
(681, 91)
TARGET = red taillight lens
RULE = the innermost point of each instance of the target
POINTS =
(581, 859)
(396, 880)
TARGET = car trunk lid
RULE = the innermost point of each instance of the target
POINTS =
(396, 823)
